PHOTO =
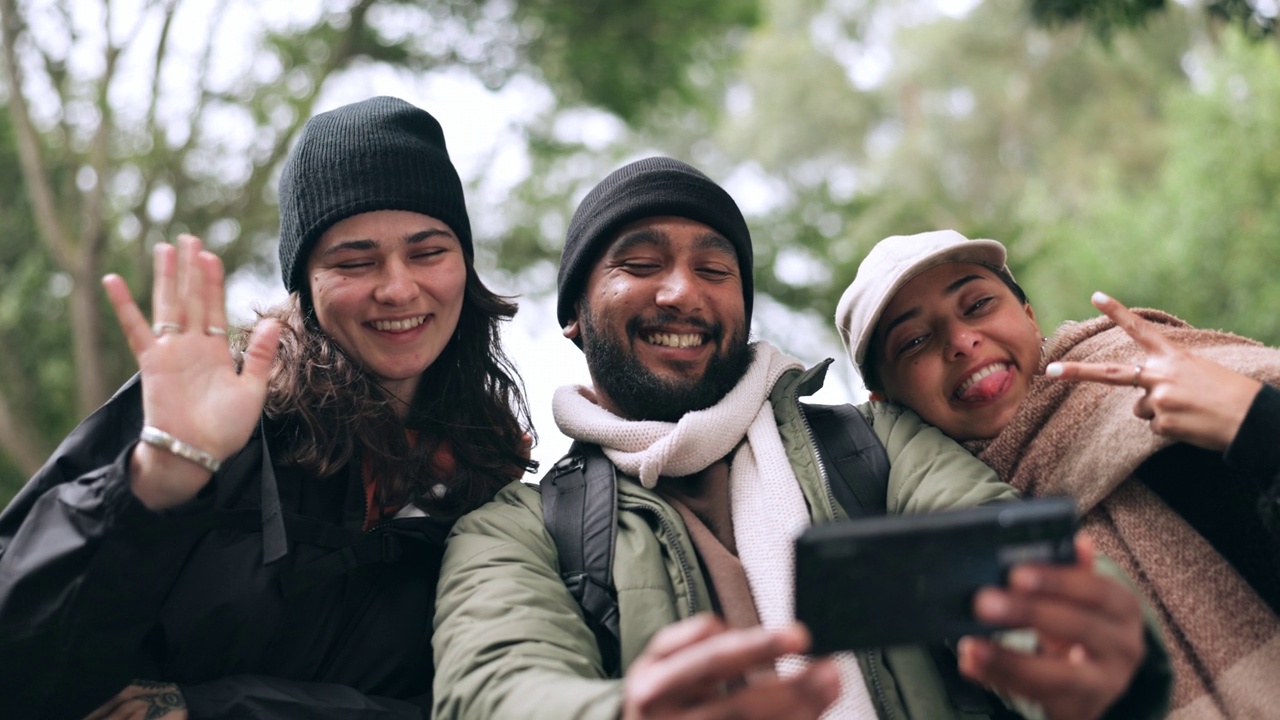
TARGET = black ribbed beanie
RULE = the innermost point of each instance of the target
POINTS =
(377, 154)
(652, 187)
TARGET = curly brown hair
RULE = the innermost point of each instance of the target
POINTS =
(326, 410)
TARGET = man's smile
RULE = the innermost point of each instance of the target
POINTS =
(676, 340)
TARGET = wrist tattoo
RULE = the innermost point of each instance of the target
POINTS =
(160, 698)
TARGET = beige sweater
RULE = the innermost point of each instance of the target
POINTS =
(1083, 440)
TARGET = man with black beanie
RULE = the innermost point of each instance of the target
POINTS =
(711, 468)
(649, 188)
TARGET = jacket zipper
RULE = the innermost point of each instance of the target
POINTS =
(875, 683)
(686, 568)
(375, 526)
(831, 500)
(813, 450)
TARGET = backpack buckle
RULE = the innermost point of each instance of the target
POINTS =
(567, 464)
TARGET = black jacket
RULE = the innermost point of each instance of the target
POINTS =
(261, 597)
(1232, 499)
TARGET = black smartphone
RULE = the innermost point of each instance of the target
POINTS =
(882, 581)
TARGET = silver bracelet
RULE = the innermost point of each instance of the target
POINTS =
(163, 440)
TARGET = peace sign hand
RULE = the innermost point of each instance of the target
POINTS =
(190, 387)
(1187, 398)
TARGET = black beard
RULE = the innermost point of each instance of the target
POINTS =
(641, 395)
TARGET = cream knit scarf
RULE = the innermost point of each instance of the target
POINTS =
(767, 505)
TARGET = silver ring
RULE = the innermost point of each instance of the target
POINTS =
(161, 328)
(215, 330)
(1137, 374)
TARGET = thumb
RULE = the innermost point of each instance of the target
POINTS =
(261, 352)
(1085, 550)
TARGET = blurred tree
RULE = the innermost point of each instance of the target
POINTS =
(1201, 238)
(125, 135)
(129, 121)
(846, 122)
(985, 123)
(25, 274)
(1256, 18)
(576, 145)
(1142, 162)
(635, 57)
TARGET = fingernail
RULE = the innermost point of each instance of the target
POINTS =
(1077, 655)
(975, 652)
(993, 605)
(1101, 298)
(791, 639)
(824, 681)
(1025, 579)
(1053, 370)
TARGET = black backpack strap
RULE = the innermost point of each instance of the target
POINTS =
(580, 511)
(853, 455)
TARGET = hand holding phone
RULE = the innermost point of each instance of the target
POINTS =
(876, 582)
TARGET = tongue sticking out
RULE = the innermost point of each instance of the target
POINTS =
(988, 387)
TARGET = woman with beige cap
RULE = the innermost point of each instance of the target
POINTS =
(1184, 496)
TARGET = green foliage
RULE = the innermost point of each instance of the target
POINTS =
(122, 174)
(1247, 15)
(1107, 17)
(210, 170)
(1112, 145)
(986, 124)
(1091, 160)
(25, 310)
(1202, 237)
(631, 57)
(796, 103)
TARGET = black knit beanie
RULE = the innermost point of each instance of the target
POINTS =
(652, 187)
(377, 154)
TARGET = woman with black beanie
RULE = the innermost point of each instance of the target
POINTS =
(255, 530)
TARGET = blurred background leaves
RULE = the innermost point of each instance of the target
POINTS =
(1125, 145)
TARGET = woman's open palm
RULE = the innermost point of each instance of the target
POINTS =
(190, 386)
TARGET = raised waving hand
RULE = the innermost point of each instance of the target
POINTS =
(191, 391)
(1186, 397)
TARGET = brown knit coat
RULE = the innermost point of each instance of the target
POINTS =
(1083, 440)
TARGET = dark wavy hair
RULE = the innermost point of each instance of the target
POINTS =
(326, 410)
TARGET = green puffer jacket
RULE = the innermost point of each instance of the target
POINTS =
(510, 641)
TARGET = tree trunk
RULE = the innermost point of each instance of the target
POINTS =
(22, 447)
(86, 336)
